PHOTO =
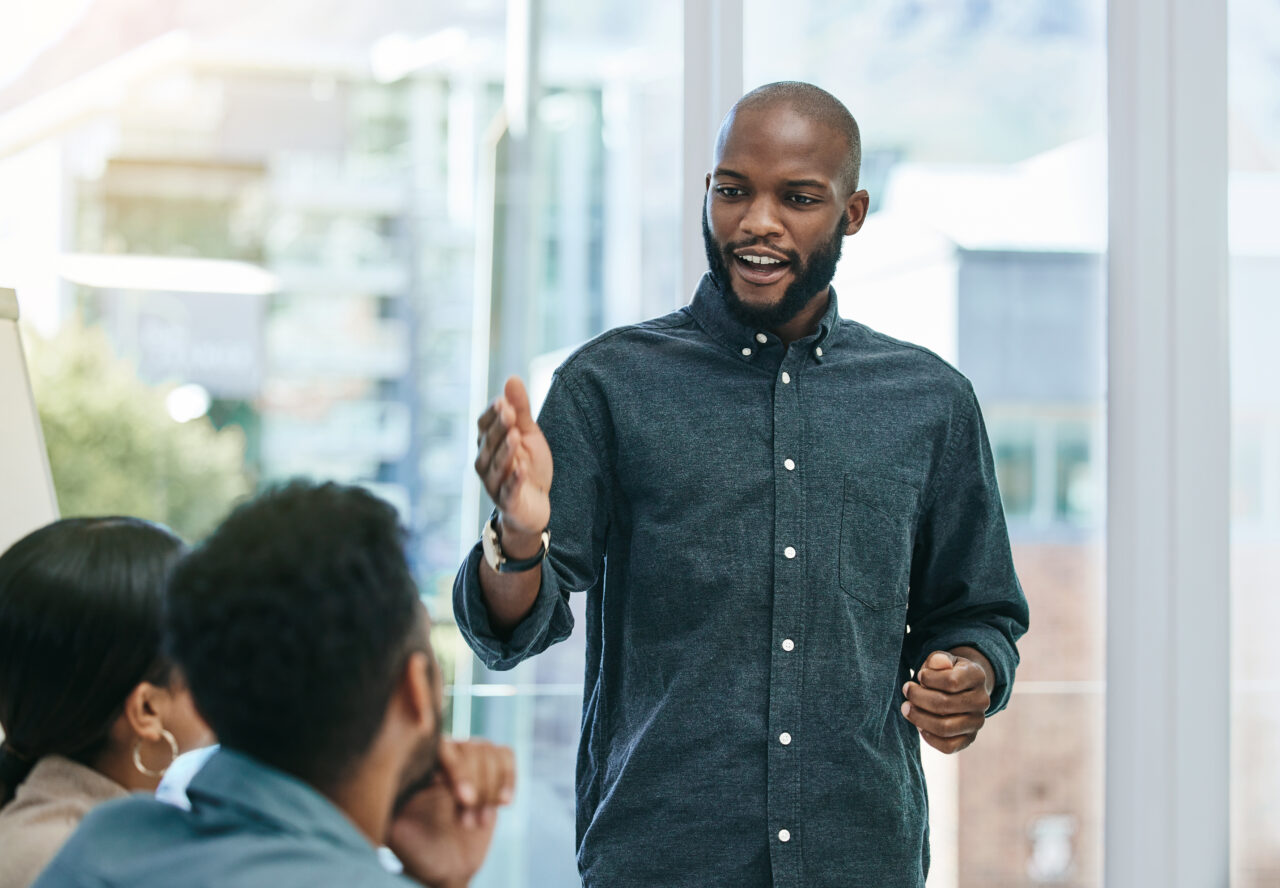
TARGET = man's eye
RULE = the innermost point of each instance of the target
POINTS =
(803, 199)
(728, 191)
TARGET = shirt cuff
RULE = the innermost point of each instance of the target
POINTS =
(993, 645)
(549, 621)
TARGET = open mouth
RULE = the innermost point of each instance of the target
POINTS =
(760, 268)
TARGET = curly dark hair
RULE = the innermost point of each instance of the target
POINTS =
(291, 622)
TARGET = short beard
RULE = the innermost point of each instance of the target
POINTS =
(420, 772)
(810, 277)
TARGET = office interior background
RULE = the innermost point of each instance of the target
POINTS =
(254, 240)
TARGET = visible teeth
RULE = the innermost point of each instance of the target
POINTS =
(760, 260)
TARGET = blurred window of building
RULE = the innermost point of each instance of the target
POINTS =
(1075, 494)
(1014, 448)
(986, 244)
(1253, 184)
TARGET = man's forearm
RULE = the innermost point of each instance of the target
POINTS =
(510, 596)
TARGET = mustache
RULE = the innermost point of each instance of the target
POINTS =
(729, 249)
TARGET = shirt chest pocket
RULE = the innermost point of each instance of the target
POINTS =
(877, 529)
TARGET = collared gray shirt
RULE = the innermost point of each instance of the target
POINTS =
(770, 539)
(249, 825)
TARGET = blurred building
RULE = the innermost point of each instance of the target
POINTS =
(179, 165)
(362, 178)
(1001, 270)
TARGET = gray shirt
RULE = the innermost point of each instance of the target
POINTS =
(770, 539)
(249, 824)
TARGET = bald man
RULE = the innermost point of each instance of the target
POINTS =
(789, 534)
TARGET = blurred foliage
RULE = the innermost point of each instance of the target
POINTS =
(114, 449)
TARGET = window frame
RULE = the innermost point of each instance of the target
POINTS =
(1168, 448)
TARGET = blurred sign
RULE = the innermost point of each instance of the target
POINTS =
(212, 339)
(181, 320)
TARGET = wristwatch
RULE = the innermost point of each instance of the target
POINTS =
(493, 556)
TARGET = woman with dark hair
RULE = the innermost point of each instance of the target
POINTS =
(90, 708)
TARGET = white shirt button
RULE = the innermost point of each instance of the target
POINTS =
(788, 644)
(784, 738)
(784, 835)
(818, 351)
(790, 551)
(761, 338)
(746, 352)
(790, 464)
(786, 378)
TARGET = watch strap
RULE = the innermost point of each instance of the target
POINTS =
(498, 560)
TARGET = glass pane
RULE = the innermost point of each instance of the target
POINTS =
(1253, 189)
(986, 245)
(312, 239)
(534, 842)
(596, 188)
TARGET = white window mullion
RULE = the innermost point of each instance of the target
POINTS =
(712, 83)
(1168, 707)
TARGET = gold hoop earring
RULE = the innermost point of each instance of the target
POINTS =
(173, 754)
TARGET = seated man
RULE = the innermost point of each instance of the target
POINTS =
(298, 626)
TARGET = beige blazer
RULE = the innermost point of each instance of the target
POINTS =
(44, 812)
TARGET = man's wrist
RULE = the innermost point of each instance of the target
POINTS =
(517, 545)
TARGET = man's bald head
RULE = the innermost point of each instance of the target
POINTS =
(811, 102)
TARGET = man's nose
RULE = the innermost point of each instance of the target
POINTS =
(762, 219)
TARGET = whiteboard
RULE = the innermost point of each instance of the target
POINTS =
(27, 500)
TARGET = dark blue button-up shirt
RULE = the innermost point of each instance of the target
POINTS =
(249, 825)
(770, 540)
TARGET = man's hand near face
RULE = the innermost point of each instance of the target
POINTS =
(949, 698)
(442, 833)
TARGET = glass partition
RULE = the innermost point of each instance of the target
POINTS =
(1253, 184)
(986, 245)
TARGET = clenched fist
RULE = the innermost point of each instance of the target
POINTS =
(949, 699)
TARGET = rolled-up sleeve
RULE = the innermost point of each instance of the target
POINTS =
(580, 504)
(964, 590)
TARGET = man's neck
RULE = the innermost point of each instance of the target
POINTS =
(806, 322)
(366, 798)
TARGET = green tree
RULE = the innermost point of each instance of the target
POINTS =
(114, 449)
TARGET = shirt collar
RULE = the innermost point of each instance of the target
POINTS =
(265, 794)
(709, 310)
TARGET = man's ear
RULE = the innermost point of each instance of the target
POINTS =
(143, 711)
(707, 187)
(856, 208)
(415, 689)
